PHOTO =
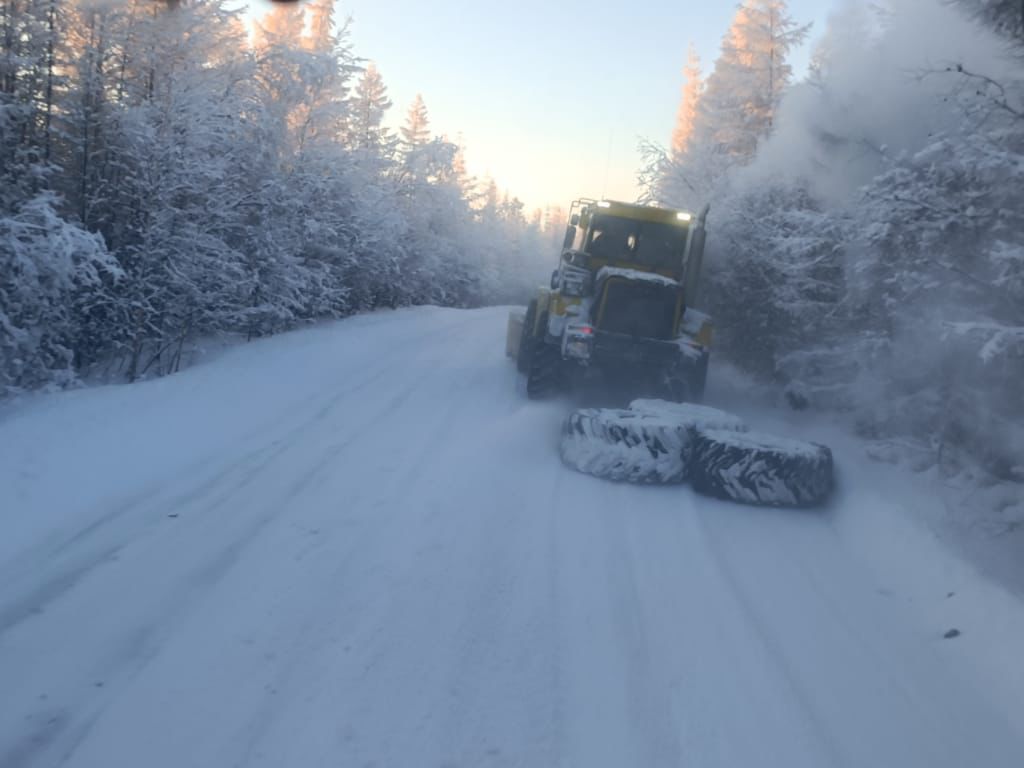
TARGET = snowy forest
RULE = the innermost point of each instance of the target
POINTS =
(866, 247)
(168, 174)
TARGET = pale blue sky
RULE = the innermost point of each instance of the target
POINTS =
(537, 88)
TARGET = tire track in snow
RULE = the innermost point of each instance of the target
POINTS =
(418, 469)
(935, 728)
(649, 709)
(503, 657)
(15, 610)
(142, 644)
(760, 627)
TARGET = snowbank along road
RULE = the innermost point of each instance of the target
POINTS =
(355, 546)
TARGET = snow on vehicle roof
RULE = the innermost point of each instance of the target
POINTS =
(635, 274)
(693, 321)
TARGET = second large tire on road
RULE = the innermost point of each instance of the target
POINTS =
(754, 468)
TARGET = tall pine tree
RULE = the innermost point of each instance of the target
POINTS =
(686, 115)
(369, 106)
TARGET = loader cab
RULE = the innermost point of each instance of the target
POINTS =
(653, 245)
(621, 304)
(645, 238)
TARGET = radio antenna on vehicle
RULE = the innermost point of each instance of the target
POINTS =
(607, 164)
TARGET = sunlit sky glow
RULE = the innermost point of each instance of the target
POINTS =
(550, 98)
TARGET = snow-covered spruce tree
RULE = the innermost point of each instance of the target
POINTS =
(514, 258)
(672, 176)
(27, 79)
(774, 274)
(416, 128)
(373, 274)
(488, 218)
(186, 146)
(743, 91)
(771, 269)
(439, 258)
(689, 102)
(732, 110)
(369, 107)
(941, 237)
(896, 184)
(930, 341)
(326, 175)
(50, 272)
(1005, 16)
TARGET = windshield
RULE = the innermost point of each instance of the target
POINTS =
(649, 243)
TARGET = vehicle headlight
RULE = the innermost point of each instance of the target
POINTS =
(578, 341)
(575, 281)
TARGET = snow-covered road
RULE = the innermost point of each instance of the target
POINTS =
(355, 546)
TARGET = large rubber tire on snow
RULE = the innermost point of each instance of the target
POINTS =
(755, 468)
(625, 445)
(527, 340)
(544, 377)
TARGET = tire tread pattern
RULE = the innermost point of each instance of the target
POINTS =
(544, 377)
(761, 470)
(625, 446)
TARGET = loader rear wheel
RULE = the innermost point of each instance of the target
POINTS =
(527, 339)
(544, 377)
(754, 468)
(699, 380)
(688, 386)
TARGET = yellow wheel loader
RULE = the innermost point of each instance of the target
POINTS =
(620, 306)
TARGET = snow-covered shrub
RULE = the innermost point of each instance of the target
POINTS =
(51, 271)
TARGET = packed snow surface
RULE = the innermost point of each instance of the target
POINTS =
(356, 545)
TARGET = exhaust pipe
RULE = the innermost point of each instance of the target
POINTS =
(695, 257)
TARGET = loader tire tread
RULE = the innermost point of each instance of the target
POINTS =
(760, 469)
(544, 377)
(625, 446)
(526, 340)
